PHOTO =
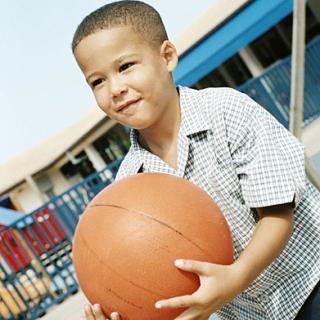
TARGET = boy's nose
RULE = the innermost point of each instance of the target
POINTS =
(117, 87)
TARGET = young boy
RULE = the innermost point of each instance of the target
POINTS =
(220, 139)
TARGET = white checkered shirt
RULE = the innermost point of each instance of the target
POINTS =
(236, 151)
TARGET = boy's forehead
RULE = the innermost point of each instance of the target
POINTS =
(110, 43)
(116, 35)
(111, 39)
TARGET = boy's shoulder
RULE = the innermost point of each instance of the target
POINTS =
(218, 102)
(223, 92)
(216, 98)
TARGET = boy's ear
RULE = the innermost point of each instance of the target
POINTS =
(169, 53)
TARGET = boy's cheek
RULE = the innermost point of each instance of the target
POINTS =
(102, 103)
(106, 112)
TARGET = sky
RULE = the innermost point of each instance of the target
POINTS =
(41, 88)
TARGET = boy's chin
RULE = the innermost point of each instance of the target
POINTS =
(138, 125)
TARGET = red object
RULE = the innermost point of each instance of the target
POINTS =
(46, 233)
(42, 237)
(13, 250)
(130, 234)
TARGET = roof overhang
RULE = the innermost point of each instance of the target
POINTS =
(252, 20)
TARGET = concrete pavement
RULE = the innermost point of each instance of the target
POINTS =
(70, 309)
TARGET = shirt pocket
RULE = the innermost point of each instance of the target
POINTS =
(223, 179)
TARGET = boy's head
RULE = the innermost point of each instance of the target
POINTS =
(123, 52)
(140, 16)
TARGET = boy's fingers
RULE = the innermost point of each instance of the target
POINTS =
(114, 316)
(88, 313)
(95, 313)
(194, 266)
(176, 302)
(98, 314)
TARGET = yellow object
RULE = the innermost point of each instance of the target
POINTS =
(31, 290)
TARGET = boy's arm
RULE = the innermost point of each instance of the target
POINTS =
(272, 233)
(220, 284)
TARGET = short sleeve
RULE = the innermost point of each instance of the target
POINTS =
(268, 159)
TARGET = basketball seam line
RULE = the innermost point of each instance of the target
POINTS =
(118, 274)
(121, 277)
(152, 218)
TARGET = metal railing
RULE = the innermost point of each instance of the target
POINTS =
(36, 268)
(272, 88)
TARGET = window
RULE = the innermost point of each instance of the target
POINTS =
(113, 145)
(275, 44)
(231, 73)
(84, 167)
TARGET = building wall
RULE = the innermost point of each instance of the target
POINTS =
(25, 198)
(60, 183)
(40, 188)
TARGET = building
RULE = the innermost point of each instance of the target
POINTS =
(51, 167)
(240, 43)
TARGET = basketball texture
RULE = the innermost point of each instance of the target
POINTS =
(130, 234)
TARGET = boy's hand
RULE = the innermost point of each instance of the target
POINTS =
(219, 284)
(95, 313)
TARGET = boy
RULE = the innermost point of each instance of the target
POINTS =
(224, 142)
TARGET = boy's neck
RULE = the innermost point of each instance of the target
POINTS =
(162, 139)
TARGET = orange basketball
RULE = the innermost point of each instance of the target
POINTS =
(130, 234)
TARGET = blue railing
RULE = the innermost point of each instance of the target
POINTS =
(272, 88)
(36, 268)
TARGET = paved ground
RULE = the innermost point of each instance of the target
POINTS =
(72, 309)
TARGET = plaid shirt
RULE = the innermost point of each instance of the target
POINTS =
(236, 151)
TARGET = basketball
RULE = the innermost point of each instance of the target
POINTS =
(129, 236)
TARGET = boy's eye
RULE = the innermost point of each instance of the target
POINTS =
(125, 66)
(96, 82)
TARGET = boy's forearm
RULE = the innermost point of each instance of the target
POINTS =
(270, 237)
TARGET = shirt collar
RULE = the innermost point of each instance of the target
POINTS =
(193, 114)
(193, 119)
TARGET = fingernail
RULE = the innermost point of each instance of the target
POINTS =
(114, 315)
(178, 263)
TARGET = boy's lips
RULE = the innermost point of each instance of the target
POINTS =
(126, 104)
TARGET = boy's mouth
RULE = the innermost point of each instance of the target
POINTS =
(126, 104)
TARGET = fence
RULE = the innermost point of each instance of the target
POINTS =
(35, 252)
(272, 88)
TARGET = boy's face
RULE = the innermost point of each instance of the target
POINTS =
(130, 78)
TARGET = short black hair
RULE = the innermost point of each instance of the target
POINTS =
(143, 18)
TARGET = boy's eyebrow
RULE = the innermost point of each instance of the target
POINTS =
(125, 56)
